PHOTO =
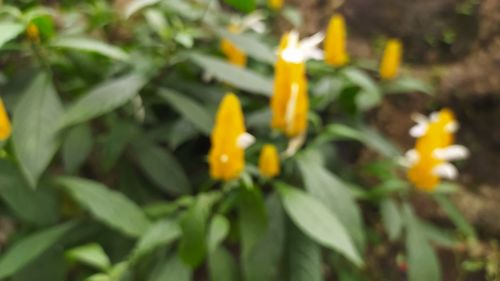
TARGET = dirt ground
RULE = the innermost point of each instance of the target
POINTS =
(456, 45)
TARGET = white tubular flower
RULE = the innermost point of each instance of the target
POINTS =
(300, 51)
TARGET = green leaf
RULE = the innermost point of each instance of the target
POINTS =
(335, 194)
(161, 167)
(171, 269)
(35, 128)
(104, 98)
(253, 218)
(365, 135)
(29, 248)
(106, 205)
(262, 263)
(48, 266)
(439, 236)
(403, 85)
(249, 44)
(90, 254)
(239, 77)
(293, 16)
(160, 234)
(189, 109)
(422, 260)
(370, 94)
(391, 218)
(245, 6)
(137, 5)
(222, 266)
(77, 147)
(219, 229)
(38, 206)
(318, 222)
(192, 247)
(455, 215)
(90, 45)
(9, 31)
(303, 257)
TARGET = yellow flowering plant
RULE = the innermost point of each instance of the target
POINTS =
(198, 140)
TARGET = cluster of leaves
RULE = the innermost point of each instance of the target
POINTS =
(105, 176)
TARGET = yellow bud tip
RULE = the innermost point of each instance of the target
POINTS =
(227, 158)
(234, 55)
(5, 127)
(269, 161)
(275, 4)
(33, 33)
(391, 59)
(335, 42)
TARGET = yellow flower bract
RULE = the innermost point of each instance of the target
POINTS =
(275, 4)
(335, 42)
(269, 161)
(391, 59)
(33, 33)
(235, 55)
(437, 136)
(289, 103)
(226, 158)
(5, 127)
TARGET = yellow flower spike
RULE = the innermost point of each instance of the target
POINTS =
(428, 161)
(335, 42)
(275, 4)
(290, 102)
(269, 161)
(227, 155)
(33, 33)
(391, 59)
(5, 127)
(233, 53)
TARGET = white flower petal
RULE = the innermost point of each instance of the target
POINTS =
(294, 145)
(253, 19)
(418, 130)
(445, 170)
(434, 116)
(412, 156)
(245, 140)
(452, 127)
(313, 41)
(290, 106)
(293, 55)
(452, 152)
(224, 158)
(315, 54)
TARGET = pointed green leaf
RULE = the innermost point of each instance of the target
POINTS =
(25, 201)
(219, 229)
(422, 259)
(253, 218)
(35, 127)
(318, 222)
(29, 248)
(391, 218)
(263, 261)
(161, 167)
(160, 234)
(9, 31)
(102, 99)
(303, 257)
(90, 45)
(242, 5)
(242, 78)
(189, 109)
(106, 205)
(335, 194)
(90, 254)
(77, 147)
